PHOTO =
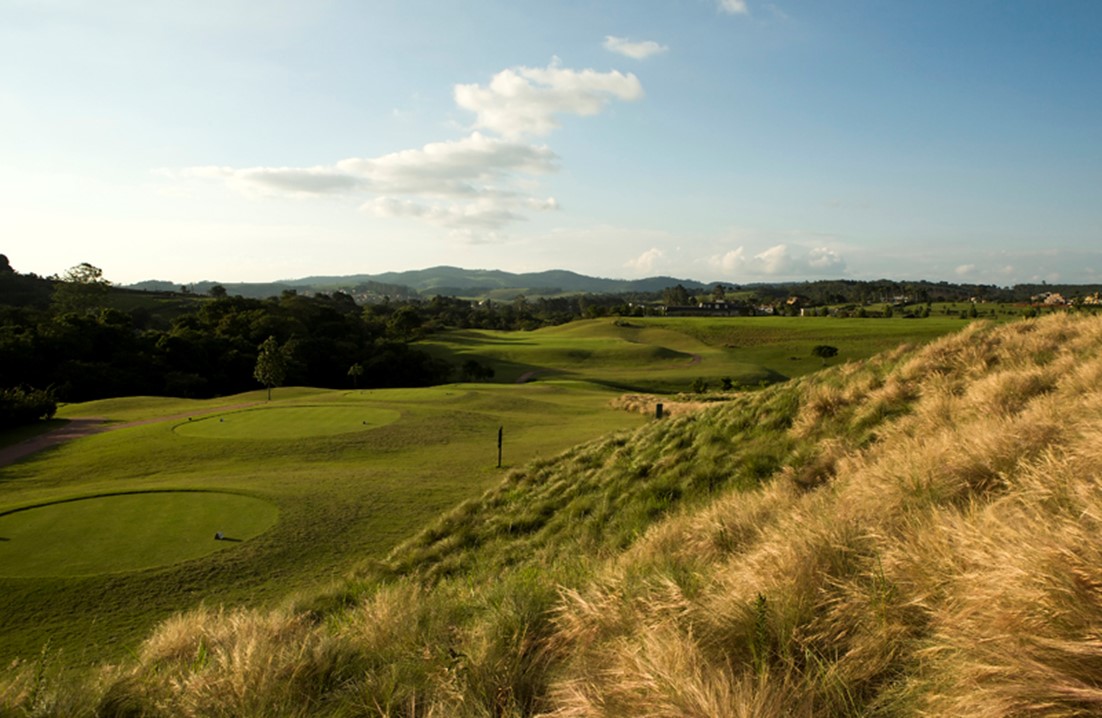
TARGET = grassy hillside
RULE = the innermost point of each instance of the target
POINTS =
(911, 535)
(667, 354)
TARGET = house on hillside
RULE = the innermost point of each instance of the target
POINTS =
(708, 309)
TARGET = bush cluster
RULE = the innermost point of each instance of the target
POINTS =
(21, 405)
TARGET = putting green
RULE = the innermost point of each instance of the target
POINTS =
(126, 532)
(288, 422)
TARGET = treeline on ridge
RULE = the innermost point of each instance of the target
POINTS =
(81, 338)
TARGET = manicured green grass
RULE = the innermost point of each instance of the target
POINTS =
(348, 492)
(126, 532)
(660, 354)
(288, 422)
(342, 498)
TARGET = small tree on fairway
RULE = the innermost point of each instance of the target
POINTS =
(356, 371)
(824, 352)
(271, 365)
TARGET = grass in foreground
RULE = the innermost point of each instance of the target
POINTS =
(911, 535)
(914, 535)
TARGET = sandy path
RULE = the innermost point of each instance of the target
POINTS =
(76, 428)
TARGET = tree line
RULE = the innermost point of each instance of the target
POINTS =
(77, 344)
(78, 338)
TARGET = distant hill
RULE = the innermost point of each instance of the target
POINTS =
(447, 281)
(455, 280)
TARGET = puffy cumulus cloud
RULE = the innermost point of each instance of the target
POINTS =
(647, 261)
(460, 168)
(781, 260)
(734, 7)
(634, 50)
(482, 214)
(468, 183)
(475, 165)
(825, 260)
(528, 100)
(477, 182)
(965, 270)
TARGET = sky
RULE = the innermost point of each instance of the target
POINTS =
(736, 141)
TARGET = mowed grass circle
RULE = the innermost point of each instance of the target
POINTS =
(288, 422)
(126, 532)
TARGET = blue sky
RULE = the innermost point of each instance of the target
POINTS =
(719, 140)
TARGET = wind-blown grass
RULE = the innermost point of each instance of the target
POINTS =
(911, 535)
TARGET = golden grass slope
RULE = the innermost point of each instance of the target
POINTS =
(923, 540)
(952, 567)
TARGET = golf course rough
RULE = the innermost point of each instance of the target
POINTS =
(126, 532)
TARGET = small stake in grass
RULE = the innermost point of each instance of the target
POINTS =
(500, 429)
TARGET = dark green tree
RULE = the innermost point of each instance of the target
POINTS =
(356, 371)
(81, 289)
(824, 352)
(271, 365)
(675, 296)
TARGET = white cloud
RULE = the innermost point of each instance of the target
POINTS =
(646, 262)
(482, 214)
(781, 260)
(734, 7)
(475, 165)
(634, 50)
(475, 182)
(826, 260)
(528, 100)
(289, 181)
(965, 270)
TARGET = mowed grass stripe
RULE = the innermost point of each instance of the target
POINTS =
(126, 532)
(289, 422)
(667, 354)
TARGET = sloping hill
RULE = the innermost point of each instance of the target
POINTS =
(474, 282)
(916, 534)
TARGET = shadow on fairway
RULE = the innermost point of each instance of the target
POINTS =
(227, 538)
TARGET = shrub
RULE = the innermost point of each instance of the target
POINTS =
(21, 405)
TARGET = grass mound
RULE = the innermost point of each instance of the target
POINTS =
(911, 535)
(288, 422)
(126, 532)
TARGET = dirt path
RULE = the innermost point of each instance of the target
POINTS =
(76, 428)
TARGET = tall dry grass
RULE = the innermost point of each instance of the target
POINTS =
(950, 566)
(915, 535)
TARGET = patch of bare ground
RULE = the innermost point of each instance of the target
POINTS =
(77, 428)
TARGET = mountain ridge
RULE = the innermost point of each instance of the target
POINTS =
(444, 279)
